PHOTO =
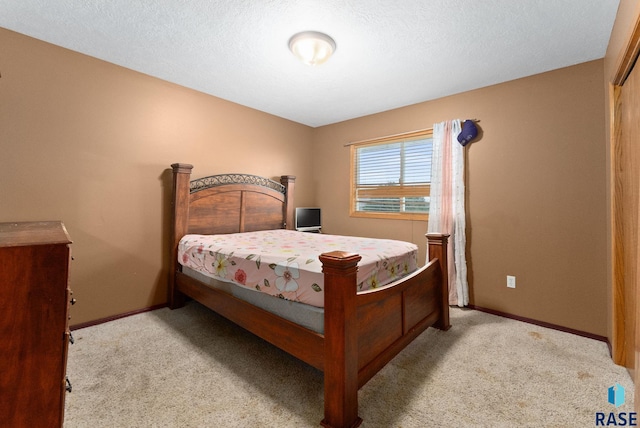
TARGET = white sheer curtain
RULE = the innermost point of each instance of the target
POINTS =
(446, 210)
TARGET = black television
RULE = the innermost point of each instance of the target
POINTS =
(308, 219)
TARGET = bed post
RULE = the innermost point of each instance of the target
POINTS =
(179, 225)
(289, 182)
(438, 249)
(340, 340)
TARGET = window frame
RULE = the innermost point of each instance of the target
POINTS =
(405, 137)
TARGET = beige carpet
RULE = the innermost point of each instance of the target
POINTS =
(192, 368)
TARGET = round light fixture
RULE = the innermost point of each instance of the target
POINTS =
(312, 47)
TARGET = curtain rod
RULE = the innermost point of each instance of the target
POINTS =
(393, 136)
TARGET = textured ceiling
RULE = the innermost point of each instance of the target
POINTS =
(390, 53)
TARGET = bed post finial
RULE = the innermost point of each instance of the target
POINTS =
(438, 250)
(289, 182)
(184, 168)
(179, 225)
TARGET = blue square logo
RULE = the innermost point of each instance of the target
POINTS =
(616, 395)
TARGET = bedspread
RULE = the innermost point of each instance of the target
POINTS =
(285, 263)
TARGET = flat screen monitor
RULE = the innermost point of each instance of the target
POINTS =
(308, 219)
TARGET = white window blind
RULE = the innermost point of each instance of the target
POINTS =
(392, 177)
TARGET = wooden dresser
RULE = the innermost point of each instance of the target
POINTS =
(34, 323)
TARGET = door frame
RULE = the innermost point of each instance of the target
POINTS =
(620, 325)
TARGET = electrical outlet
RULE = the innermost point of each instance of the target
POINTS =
(511, 281)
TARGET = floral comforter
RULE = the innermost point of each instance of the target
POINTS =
(285, 263)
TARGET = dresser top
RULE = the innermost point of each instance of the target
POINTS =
(33, 233)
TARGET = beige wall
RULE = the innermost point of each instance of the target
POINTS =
(536, 192)
(90, 143)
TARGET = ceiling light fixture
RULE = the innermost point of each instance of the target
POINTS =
(312, 47)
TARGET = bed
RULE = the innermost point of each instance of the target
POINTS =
(362, 330)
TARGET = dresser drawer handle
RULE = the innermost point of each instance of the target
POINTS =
(68, 387)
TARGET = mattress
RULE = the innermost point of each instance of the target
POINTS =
(285, 264)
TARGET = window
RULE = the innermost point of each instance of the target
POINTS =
(390, 176)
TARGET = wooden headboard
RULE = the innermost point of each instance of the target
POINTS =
(230, 203)
(226, 203)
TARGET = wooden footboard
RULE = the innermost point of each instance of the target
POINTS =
(364, 331)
